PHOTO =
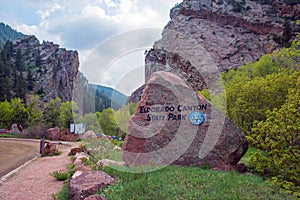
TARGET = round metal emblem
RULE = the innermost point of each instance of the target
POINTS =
(196, 118)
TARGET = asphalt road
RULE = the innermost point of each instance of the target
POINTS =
(15, 153)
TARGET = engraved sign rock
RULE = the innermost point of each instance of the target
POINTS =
(175, 125)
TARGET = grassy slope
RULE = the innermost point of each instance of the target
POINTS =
(190, 183)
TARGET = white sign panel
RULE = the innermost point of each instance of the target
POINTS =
(77, 128)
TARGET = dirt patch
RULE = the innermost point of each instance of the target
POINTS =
(16, 153)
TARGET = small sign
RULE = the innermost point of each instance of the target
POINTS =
(196, 118)
(77, 128)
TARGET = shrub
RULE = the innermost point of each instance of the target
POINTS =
(71, 169)
(118, 143)
(278, 139)
(61, 175)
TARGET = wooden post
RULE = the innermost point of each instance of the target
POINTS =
(42, 144)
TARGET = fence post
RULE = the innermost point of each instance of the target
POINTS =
(42, 144)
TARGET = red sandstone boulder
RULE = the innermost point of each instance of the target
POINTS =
(80, 159)
(49, 149)
(53, 133)
(76, 150)
(61, 135)
(175, 125)
(89, 134)
(65, 135)
(107, 162)
(87, 183)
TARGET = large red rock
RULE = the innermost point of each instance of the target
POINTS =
(61, 135)
(49, 149)
(87, 183)
(161, 132)
(89, 135)
(53, 133)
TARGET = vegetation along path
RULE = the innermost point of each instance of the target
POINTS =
(34, 181)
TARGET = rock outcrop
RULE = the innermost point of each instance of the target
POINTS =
(86, 183)
(175, 125)
(53, 69)
(232, 32)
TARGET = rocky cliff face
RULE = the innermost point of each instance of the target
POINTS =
(229, 32)
(53, 69)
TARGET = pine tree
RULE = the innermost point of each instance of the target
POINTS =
(30, 81)
(19, 61)
(5, 72)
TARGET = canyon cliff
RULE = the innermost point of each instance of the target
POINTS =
(229, 32)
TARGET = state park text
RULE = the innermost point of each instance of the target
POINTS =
(162, 113)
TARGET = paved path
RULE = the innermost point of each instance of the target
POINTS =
(34, 182)
(15, 152)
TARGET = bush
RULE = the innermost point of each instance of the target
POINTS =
(278, 139)
(37, 131)
(118, 143)
(61, 175)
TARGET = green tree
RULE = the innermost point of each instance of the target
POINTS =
(6, 83)
(20, 114)
(249, 101)
(19, 60)
(34, 110)
(6, 113)
(107, 122)
(91, 121)
(51, 112)
(20, 88)
(278, 139)
(132, 107)
(30, 80)
(68, 114)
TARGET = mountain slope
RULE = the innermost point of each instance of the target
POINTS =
(30, 67)
(98, 98)
(7, 33)
(229, 32)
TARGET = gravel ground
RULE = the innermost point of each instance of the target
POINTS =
(34, 182)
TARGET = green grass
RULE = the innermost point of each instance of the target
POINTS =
(10, 136)
(63, 193)
(190, 183)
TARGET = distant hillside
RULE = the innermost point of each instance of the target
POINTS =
(98, 98)
(30, 67)
(7, 33)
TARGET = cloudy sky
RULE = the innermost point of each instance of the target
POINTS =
(110, 35)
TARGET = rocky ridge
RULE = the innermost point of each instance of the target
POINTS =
(54, 69)
(232, 32)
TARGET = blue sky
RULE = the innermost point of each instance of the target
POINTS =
(88, 26)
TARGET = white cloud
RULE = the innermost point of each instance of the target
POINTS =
(94, 11)
(84, 24)
(39, 32)
(46, 13)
